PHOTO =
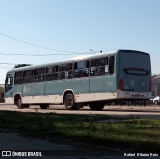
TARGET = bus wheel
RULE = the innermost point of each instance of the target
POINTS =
(19, 103)
(69, 102)
(44, 106)
(96, 106)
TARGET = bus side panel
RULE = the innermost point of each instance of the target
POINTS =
(9, 100)
(17, 89)
(27, 93)
(53, 90)
(82, 90)
(37, 91)
(103, 87)
(77, 86)
(32, 92)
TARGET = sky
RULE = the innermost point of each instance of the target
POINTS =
(41, 27)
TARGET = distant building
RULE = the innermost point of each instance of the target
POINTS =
(155, 85)
(1, 92)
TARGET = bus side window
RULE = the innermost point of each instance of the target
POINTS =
(62, 69)
(69, 70)
(55, 70)
(99, 66)
(81, 69)
(49, 74)
(18, 77)
(104, 61)
(94, 67)
(111, 65)
(52, 73)
(39, 75)
(28, 76)
(104, 66)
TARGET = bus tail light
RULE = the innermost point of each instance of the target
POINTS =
(121, 84)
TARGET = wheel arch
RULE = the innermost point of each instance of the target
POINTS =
(67, 92)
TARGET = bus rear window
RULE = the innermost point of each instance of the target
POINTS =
(136, 71)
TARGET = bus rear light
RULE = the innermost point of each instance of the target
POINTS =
(121, 84)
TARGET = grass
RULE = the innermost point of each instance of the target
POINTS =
(97, 132)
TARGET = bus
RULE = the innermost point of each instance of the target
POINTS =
(93, 80)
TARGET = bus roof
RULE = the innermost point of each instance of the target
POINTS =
(78, 58)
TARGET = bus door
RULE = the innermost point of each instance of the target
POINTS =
(8, 86)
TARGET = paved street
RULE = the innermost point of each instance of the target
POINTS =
(151, 111)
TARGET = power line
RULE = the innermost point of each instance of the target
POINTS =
(9, 54)
(8, 64)
(40, 46)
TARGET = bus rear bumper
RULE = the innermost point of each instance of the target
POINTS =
(133, 95)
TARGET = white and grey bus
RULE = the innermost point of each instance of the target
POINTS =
(94, 80)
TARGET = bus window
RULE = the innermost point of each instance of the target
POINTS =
(18, 78)
(81, 69)
(95, 63)
(62, 69)
(52, 73)
(69, 70)
(39, 75)
(49, 74)
(111, 65)
(104, 66)
(48, 70)
(104, 61)
(55, 69)
(99, 66)
(28, 76)
(94, 67)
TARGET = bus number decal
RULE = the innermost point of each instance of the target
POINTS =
(109, 83)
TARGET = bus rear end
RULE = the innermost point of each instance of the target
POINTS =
(134, 75)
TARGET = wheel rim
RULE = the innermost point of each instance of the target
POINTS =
(19, 104)
(69, 102)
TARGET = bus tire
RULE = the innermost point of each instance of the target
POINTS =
(69, 102)
(44, 106)
(19, 103)
(96, 106)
